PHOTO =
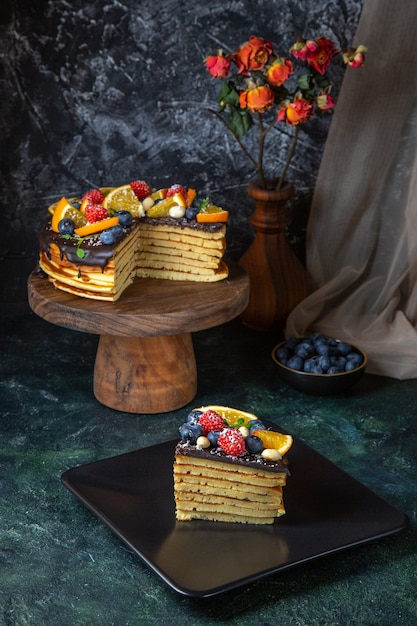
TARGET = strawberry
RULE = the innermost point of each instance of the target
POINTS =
(232, 442)
(95, 213)
(211, 420)
(140, 189)
(95, 196)
(177, 189)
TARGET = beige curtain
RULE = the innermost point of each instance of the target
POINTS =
(362, 231)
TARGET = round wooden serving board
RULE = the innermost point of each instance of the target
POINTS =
(145, 358)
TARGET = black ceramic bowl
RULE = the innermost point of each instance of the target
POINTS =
(320, 384)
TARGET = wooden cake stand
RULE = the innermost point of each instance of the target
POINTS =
(145, 359)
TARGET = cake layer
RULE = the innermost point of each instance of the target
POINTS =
(242, 491)
(215, 275)
(185, 515)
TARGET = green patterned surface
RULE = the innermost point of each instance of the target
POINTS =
(60, 565)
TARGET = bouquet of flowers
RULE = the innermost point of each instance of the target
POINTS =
(255, 80)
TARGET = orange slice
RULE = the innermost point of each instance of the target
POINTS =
(159, 194)
(97, 227)
(274, 440)
(234, 417)
(191, 195)
(161, 209)
(123, 199)
(212, 213)
(64, 208)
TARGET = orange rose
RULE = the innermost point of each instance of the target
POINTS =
(280, 71)
(297, 112)
(257, 99)
(218, 65)
(253, 55)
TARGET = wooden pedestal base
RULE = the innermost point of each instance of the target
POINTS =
(145, 374)
(145, 359)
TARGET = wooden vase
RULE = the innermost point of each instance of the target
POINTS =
(278, 279)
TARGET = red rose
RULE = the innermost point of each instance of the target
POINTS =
(320, 55)
(325, 101)
(355, 57)
(280, 71)
(253, 55)
(218, 65)
(297, 112)
(257, 99)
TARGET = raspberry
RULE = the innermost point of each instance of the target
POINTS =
(176, 189)
(211, 420)
(95, 213)
(95, 196)
(140, 189)
(232, 442)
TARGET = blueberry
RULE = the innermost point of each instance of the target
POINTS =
(193, 417)
(309, 365)
(324, 362)
(304, 350)
(291, 343)
(253, 444)
(283, 353)
(341, 362)
(296, 363)
(111, 235)
(213, 436)
(355, 357)
(316, 337)
(66, 226)
(190, 432)
(255, 425)
(344, 348)
(334, 369)
(125, 218)
(322, 348)
(191, 213)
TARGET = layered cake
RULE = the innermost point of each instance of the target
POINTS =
(229, 468)
(96, 245)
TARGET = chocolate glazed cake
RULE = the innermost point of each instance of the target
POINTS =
(102, 264)
(223, 480)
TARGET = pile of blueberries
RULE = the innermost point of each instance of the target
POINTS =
(318, 354)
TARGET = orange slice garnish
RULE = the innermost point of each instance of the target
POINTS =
(64, 208)
(96, 227)
(159, 194)
(123, 199)
(191, 196)
(212, 213)
(233, 417)
(274, 440)
(161, 209)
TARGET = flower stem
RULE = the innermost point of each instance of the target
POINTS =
(289, 158)
(248, 154)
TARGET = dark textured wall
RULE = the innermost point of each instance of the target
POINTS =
(101, 93)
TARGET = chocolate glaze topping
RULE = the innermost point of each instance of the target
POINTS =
(255, 461)
(208, 227)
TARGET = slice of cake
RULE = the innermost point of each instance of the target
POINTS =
(229, 468)
(96, 246)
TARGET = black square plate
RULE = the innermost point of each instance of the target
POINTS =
(327, 511)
